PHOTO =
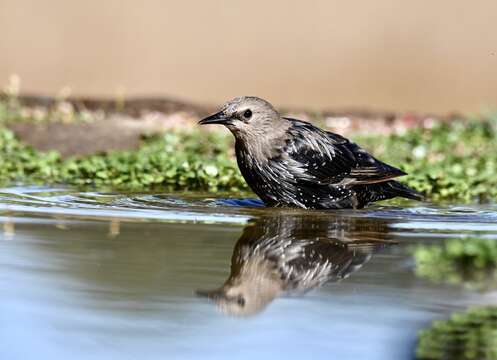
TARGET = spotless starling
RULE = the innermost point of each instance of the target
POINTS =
(292, 163)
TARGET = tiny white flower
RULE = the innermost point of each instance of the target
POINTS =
(419, 152)
(211, 170)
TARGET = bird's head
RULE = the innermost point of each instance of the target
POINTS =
(246, 116)
(231, 302)
(241, 299)
(249, 289)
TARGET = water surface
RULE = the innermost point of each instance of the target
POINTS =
(87, 275)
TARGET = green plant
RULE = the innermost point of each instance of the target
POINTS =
(188, 161)
(471, 262)
(456, 160)
(465, 336)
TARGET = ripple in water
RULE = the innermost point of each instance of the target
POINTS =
(202, 207)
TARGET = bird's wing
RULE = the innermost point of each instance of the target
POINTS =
(327, 158)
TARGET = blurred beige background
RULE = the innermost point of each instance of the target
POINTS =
(402, 55)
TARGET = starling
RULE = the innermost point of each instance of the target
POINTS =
(292, 163)
(294, 253)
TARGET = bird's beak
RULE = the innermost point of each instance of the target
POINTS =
(214, 295)
(217, 118)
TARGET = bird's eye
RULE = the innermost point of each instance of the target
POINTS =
(240, 301)
(247, 114)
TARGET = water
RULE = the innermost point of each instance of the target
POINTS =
(86, 275)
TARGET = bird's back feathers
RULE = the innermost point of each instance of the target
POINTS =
(332, 159)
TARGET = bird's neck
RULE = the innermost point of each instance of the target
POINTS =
(264, 144)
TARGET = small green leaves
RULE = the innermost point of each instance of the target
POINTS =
(467, 336)
(179, 160)
(470, 261)
(449, 161)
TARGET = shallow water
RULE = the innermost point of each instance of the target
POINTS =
(86, 275)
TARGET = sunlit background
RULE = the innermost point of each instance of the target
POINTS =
(397, 55)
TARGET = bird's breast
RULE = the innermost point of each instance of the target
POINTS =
(261, 175)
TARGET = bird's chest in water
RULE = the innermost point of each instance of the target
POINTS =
(264, 177)
(276, 183)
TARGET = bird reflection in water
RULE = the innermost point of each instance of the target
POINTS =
(294, 253)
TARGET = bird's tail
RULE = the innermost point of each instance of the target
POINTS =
(367, 194)
(397, 189)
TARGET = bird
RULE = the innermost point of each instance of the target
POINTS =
(292, 163)
(291, 253)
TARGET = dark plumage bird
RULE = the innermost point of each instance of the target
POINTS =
(277, 255)
(289, 162)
